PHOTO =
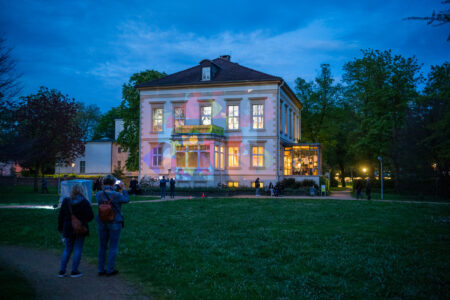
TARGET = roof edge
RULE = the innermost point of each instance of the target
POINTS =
(206, 84)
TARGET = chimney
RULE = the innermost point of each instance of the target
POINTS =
(225, 57)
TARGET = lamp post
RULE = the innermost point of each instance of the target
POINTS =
(381, 174)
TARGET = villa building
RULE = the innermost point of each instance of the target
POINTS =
(223, 123)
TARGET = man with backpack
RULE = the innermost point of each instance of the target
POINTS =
(110, 223)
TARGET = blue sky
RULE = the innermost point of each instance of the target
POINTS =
(88, 49)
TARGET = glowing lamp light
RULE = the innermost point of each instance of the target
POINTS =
(73, 165)
(364, 170)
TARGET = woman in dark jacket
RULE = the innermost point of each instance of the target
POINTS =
(81, 209)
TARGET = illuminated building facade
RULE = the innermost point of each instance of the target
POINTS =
(222, 123)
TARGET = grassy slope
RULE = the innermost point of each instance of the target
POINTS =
(251, 248)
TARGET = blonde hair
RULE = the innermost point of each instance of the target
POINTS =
(77, 189)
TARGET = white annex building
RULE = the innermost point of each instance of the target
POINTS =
(222, 123)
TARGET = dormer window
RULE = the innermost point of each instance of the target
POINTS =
(206, 73)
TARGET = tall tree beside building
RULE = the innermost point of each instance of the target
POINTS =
(130, 106)
(47, 130)
(381, 88)
(325, 117)
(106, 124)
(88, 117)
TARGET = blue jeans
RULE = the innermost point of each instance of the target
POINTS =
(163, 193)
(75, 245)
(108, 232)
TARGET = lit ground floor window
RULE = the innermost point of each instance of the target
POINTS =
(233, 184)
(301, 160)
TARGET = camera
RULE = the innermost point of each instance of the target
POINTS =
(117, 188)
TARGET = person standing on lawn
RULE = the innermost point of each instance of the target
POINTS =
(44, 186)
(368, 189)
(162, 185)
(358, 189)
(109, 232)
(271, 189)
(257, 185)
(172, 188)
(78, 206)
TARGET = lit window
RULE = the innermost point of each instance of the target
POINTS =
(233, 184)
(157, 156)
(193, 156)
(258, 116)
(206, 113)
(233, 157)
(287, 161)
(219, 157)
(257, 156)
(233, 116)
(261, 184)
(179, 116)
(181, 156)
(157, 119)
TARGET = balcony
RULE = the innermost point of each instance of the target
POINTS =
(198, 129)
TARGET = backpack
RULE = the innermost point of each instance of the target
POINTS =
(106, 212)
(79, 229)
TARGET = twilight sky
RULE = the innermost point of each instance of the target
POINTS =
(88, 49)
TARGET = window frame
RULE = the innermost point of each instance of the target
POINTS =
(233, 117)
(175, 119)
(159, 156)
(238, 156)
(252, 116)
(155, 108)
(210, 116)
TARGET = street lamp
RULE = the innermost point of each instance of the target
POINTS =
(381, 174)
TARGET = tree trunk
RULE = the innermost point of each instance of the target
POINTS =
(342, 175)
(36, 173)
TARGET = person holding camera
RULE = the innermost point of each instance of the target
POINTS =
(110, 222)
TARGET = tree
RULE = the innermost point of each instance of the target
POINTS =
(88, 117)
(9, 78)
(381, 88)
(436, 19)
(130, 112)
(9, 87)
(325, 117)
(106, 124)
(47, 130)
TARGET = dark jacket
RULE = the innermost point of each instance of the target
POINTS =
(81, 208)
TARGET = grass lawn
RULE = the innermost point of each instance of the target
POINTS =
(22, 194)
(269, 248)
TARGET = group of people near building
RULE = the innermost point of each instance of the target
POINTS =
(73, 223)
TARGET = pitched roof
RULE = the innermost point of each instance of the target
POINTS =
(224, 72)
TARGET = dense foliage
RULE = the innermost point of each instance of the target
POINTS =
(130, 110)
(45, 130)
(380, 111)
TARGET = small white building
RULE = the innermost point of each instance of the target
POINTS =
(97, 159)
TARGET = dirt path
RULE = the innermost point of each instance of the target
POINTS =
(41, 267)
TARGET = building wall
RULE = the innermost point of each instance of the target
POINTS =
(245, 137)
(97, 158)
(119, 158)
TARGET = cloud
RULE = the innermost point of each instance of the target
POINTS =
(289, 54)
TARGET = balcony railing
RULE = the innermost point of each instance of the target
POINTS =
(198, 129)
